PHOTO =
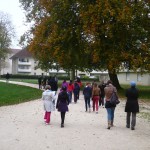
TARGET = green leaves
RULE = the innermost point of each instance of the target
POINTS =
(79, 34)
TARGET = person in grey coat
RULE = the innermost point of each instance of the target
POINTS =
(132, 106)
(48, 98)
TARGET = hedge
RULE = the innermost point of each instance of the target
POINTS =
(60, 77)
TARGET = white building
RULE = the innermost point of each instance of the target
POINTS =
(6, 64)
(24, 63)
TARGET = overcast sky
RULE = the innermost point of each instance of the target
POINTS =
(13, 9)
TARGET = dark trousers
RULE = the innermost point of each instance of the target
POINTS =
(101, 101)
(78, 93)
(87, 103)
(62, 117)
(75, 97)
(133, 119)
(40, 86)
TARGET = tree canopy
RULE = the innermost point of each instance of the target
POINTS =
(85, 35)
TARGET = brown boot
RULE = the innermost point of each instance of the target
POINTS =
(112, 125)
(109, 124)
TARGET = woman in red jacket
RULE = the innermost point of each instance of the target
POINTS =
(70, 89)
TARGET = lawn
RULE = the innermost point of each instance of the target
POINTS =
(13, 94)
(144, 92)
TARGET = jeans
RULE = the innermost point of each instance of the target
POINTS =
(133, 121)
(78, 93)
(75, 97)
(110, 113)
(87, 102)
(70, 96)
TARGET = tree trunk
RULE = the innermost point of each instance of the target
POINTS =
(113, 77)
(72, 74)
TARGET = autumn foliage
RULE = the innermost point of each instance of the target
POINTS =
(90, 34)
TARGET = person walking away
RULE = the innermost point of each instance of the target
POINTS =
(132, 106)
(48, 98)
(80, 85)
(87, 92)
(76, 91)
(44, 81)
(102, 95)
(53, 84)
(7, 77)
(62, 104)
(95, 96)
(109, 89)
(64, 84)
(56, 79)
(40, 82)
(70, 89)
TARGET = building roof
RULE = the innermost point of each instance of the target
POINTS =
(22, 54)
(14, 51)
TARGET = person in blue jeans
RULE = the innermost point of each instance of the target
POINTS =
(109, 89)
(87, 92)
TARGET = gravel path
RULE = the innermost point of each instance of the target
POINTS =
(22, 128)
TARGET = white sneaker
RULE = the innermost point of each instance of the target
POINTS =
(46, 123)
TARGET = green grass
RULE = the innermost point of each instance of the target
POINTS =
(144, 92)
(145, 115)
(33, 81)
(13, 94)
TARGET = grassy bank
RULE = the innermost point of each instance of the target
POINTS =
(144, 91)
(14, 94)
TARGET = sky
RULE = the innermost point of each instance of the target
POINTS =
(17, 17)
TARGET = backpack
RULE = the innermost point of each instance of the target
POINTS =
(114, 99)
(76, 87)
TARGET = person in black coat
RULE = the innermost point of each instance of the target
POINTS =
(62, 104)
(40, 82)
(132, 106)
(102, 94)
(53, 84)
(7, 77)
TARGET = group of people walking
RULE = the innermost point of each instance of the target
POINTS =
(100, 95)
(63, 100)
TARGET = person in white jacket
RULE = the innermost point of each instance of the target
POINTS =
(48, 98)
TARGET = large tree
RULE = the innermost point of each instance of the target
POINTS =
(120, 34)
(57, 33)
(6, 33)
(86, 35)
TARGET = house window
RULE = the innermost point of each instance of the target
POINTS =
(23, 67)
(127, 76)
(23, 59)
(139, 77)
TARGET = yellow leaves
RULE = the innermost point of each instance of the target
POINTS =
(56, 51)
(125, 55)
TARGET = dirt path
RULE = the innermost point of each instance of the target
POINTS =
(22, 128)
